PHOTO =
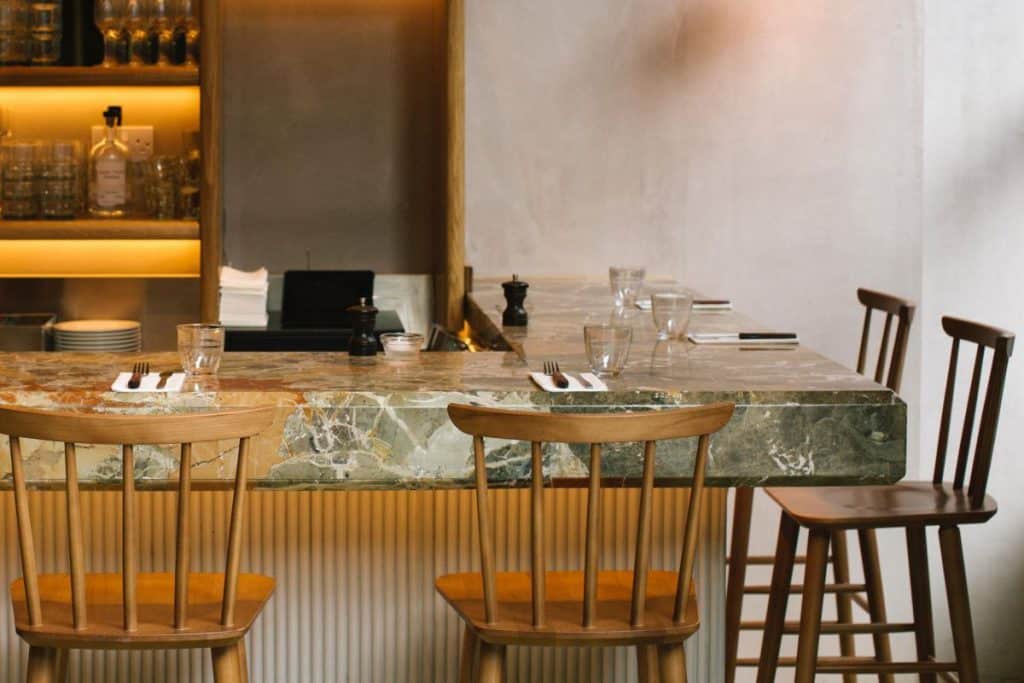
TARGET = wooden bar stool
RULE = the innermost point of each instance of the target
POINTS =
(912, 506)
(55, 613)
(847, 594)
(654, 611)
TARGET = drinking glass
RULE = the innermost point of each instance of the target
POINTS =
(607, 348)
(108, 16)
(626, 282)
(164, 179)
(20, 169)
(671, 311)
(45, 24)
(14, 34)
(200, 347)
(136, 26)
(162, 29)
(188, 190)
(60, 180)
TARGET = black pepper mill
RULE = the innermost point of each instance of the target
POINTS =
(515, 294)
(364, 320)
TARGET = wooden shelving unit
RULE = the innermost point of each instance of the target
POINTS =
(50, 76)
(95, 229)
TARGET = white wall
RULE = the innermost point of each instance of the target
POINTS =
(973, 204)
(782, 153)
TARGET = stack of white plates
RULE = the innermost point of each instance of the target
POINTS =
(98, 335)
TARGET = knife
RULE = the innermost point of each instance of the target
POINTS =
(711, 302)
(767, 335)
(164, 376)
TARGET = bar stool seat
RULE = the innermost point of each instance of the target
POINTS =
(876, 507)
(564, 605)
(155, 611)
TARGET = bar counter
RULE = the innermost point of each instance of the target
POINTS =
(357, 424)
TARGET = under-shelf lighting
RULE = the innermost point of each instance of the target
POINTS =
(99, 258)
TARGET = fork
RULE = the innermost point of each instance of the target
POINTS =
(139, 370)
(552, 370)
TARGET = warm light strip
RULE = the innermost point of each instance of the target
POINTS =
(99, 258)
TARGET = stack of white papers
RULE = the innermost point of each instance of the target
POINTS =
(243, 297)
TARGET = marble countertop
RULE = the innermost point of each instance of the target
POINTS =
(347, 423)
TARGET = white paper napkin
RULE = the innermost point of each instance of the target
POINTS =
(720, 339)
(149, 382)
(547, 383)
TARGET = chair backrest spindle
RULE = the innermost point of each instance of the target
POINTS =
(29, 568)
(537, 531)
(76, 551)
(183, 541)
(129, 538)
(234, 557)
(593, 546)
(597, 431)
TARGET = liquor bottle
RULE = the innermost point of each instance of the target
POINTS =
(108, 171)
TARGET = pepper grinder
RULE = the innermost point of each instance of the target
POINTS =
(515, 294)
(364, 320)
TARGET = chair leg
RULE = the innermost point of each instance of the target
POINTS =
(844, 603)
(42, 665)
(876, 596)
(647, 663)
(227, 666)
(739, 549)
(62, 665)
(468, 655)
(810, 613)
(492, 663)
(921, 598)
(672, 663)
(775, 618)
(243, 661)
(959, 605)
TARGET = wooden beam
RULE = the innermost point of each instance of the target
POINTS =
(452, 282)
(211, 40)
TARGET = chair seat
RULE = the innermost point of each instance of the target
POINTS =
(898, 505)
(563, 609)
(155, 595)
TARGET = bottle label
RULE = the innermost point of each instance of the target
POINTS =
(111, 183)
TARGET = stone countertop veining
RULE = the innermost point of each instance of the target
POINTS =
(801, 418)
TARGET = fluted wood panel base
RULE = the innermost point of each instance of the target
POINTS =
(355, 571)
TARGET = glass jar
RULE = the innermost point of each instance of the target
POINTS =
(20, 193)
(162, 191)
(60, 180)
(188, 192)
(14, 32)
(45, 25)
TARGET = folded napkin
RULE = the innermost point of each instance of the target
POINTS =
(232, 278)
(547, 383)
(733, 339)
(149, 382)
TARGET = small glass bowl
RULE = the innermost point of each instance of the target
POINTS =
(401, 345)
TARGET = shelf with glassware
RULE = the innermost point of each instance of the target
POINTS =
(100, 229)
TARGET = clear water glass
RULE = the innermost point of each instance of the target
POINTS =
(626, 283)
(60, 180)
(671, 311)
(109, 15)
(607, 348)
(200, 347)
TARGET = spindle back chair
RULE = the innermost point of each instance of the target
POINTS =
(652, 610)
(889, 366)
(912, 506)
(57, 612)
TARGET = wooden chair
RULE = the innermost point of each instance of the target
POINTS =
(912, 506)
(55, 613)
(655, 611)
(846, 593)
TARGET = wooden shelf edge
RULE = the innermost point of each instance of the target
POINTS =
(98, 75)
(95, 229)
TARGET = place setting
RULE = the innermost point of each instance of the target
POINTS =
(200, 349)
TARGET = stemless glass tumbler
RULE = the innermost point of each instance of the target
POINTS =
(200, 347)
(671, 311)
(626, 283)
(607, 348)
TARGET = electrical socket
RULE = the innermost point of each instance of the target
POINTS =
(138, 139)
